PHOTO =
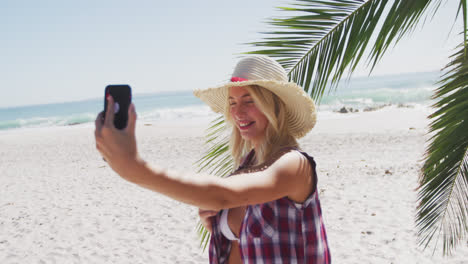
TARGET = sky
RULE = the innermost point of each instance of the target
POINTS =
(60, 51)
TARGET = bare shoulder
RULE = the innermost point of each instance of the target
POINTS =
(288, 173)
(292, 162)
(296, 170)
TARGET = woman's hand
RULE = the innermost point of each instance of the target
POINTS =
(117, 147)
(205, 218)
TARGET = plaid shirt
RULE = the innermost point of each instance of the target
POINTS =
(279, 231)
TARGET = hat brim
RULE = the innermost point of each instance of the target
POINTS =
(300, 108)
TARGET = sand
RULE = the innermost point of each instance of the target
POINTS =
(61, 203)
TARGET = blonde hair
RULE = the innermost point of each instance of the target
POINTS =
(277, 135)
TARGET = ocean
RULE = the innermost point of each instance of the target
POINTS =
(412, 89)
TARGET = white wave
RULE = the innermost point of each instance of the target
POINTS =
(170, 114)
(53, 121)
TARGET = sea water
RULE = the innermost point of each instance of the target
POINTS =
(361, 93)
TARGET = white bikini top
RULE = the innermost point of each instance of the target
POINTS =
(226, 230)
(224, 226)
(223, 221)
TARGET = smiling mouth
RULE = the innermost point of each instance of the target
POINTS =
(246, 125)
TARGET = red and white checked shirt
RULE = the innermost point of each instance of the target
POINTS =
(279, 231)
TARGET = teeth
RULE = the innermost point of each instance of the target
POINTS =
(244, 124)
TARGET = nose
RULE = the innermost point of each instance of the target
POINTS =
(238, 110)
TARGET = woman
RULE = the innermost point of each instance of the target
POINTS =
(274, 214)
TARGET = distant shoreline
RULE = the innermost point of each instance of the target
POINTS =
(208, 117)
(363, 94)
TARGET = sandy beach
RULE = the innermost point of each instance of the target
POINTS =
(61, 203)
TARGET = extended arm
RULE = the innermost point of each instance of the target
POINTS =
(290, 175)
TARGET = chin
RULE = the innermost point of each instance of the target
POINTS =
(249, 138)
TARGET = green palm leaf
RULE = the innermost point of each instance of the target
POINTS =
(443, 194)
(331, 36)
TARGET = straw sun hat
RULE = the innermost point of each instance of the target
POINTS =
(269, 74)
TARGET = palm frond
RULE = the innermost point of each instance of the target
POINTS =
(443, 195)
(216, 160)
(204, 236)
(330, 37)
(403, 18)
(462, 7)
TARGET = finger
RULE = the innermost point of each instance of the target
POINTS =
(204, 210)
(212, 213)
(103, 152)
(109, 120)
(132, 117)
(98, 122)
(100, 116)
(201, 211)
(207, 226)
(207, 213)
(206, 222)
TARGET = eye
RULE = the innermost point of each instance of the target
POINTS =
(232, 103)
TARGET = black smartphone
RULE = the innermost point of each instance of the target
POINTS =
(122, 95)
